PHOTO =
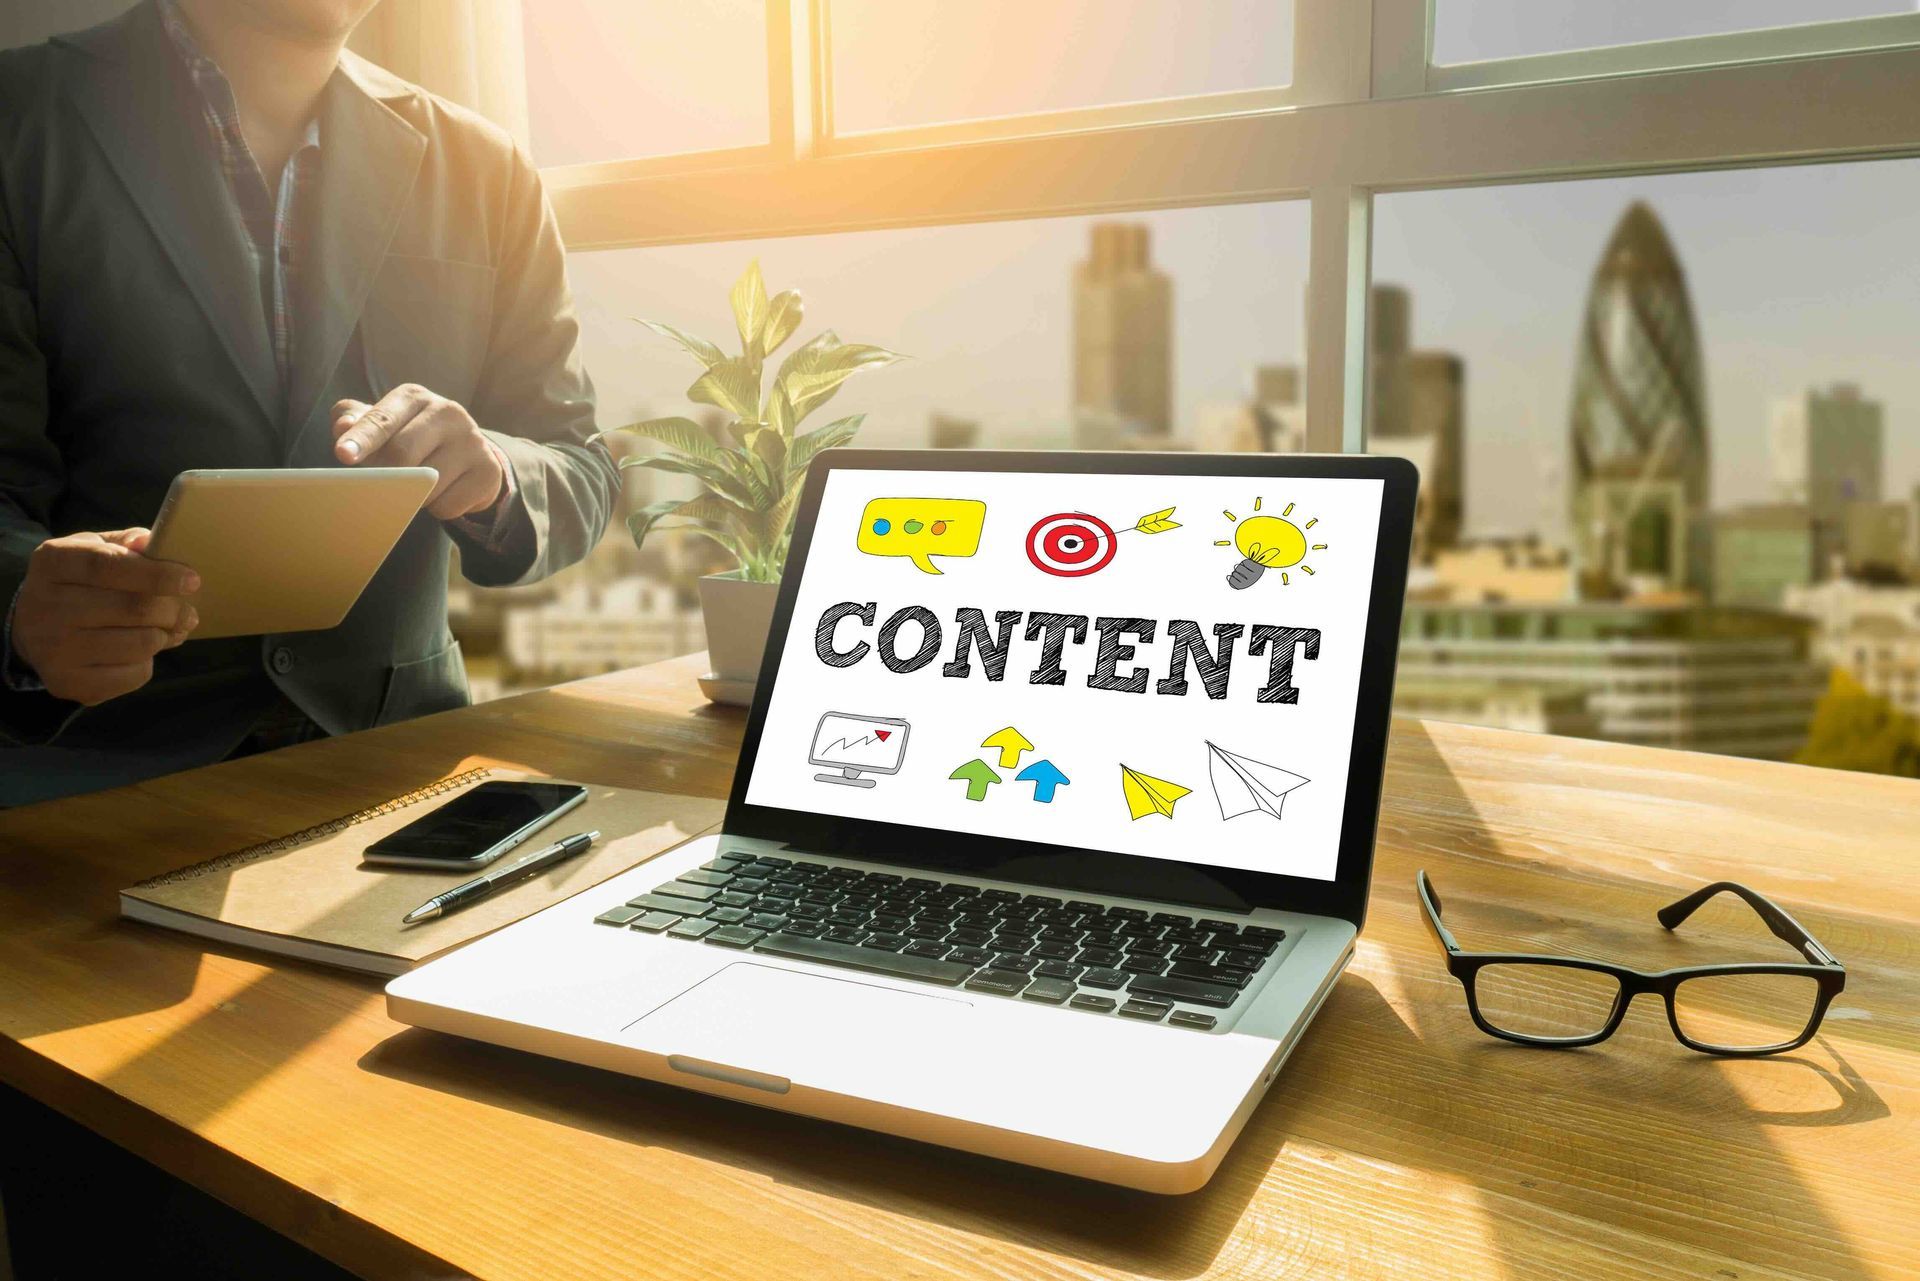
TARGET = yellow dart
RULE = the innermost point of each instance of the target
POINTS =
(1149, 795)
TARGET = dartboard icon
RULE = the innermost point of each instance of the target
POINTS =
(1070, 544)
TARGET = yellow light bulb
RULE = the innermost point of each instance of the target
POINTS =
(1268, 541)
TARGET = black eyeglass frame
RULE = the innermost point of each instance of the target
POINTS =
(1828, 973)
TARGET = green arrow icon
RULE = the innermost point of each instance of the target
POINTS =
(978, 776)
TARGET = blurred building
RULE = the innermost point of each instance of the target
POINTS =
(1760, 551)
(1877, 537)
(1827, 449)
(1519, 570)
(1739, 682)
(1871, 631)
(1417, 396)
(1122, 339)
(593, 628)
(1537, 708)
(945, 431)
(1259, 427)
(1638, 423)
(1276, 384)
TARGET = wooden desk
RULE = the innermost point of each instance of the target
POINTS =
(1398, 1142)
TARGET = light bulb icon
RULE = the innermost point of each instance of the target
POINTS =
(1267, 542)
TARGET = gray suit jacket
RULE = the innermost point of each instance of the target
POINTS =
(132, 348)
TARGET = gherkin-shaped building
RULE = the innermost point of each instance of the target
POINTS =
(1639, 420)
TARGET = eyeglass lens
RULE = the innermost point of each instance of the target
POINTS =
(1545, 1002)
(1745, 1011)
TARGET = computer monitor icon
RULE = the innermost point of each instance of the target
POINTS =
(857, 745)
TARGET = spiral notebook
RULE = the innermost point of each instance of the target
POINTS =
(308, 895)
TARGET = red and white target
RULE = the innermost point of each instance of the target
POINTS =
(1070, 544)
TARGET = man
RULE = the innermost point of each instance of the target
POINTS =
(226, 242)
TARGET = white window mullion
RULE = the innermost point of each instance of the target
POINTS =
(1339, 274)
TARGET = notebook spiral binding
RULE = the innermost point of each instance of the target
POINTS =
(319, 831)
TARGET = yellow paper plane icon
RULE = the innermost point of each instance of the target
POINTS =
(1149, 795)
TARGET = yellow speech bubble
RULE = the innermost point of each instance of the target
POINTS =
(919, 528)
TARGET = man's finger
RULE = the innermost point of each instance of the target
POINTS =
(134, 540)
(364, 433)
(114, 568)
(91, 686)
(114, 646)
(98, 607)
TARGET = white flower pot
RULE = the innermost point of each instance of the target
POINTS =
(737, 615)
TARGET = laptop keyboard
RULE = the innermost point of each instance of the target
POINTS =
(1154, 966)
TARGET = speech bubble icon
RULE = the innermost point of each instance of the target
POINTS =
(920, 528)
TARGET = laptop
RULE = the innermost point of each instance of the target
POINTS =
(1052, 825)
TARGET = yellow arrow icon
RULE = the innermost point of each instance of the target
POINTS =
(1149, 795)
(1011, 743)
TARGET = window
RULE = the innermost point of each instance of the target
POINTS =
(611, 80)
(1684, 491)
(913, 62)
(1481, 30)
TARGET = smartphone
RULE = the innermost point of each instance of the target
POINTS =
(476, 827)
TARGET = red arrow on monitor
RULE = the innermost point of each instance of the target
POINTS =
(883, 734)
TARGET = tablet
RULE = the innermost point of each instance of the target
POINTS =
(284, 550)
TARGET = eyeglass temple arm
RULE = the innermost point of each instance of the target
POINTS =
(1784, 927)
(1430, 902)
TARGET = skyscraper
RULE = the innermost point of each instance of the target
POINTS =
(1827, 449)
(1122, 339)
(1417, 396)
(1638, 423)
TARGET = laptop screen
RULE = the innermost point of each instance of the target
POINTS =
(1158, 665)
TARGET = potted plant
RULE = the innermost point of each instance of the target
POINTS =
(751, 468)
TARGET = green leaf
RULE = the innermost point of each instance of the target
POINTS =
(643, 521)
(783, 317)
(780, 413)
(732, 385)
(683, 434)
(749, 299)
(705, 352)
(811, 375)
(834, 433)
(770, 447)
(730, 477)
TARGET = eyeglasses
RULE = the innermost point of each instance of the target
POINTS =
(1559, 1003)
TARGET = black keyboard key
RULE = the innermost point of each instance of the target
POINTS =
(999, 982)
(891, 922)
(871, 960)
(728, 915)
(887, 942)
(625, 914)
(844, 934)
(1054, 951)
(1126, 914)
(1101, 938)
(654, 922)
(1193, 1019)
(1192, 991)
(1144, 965)
(1241, 943)
(701, 876)
(1012, 961)
(1051, 991)
(1148, 947)
(805, 929)
(1062, 933)
(1085, 905)
(925, 948)
(1219, 926)
(732, 898)
(1104, 956)
(1012, 944)
(923, 883)
(731, 859)
(1151, 1011)
(1098, 1004)
(999, 896)
(845, 917)
(1241, 960)
(661, 903)
(1170, 919)
(1044, 900)
(975, 956)
(963, 891)
(767, 921)
(1059, 970)
(735, 936)
(805, 911)
(1209, 973)
(680, 889)
(691, 929)
(750, 884)
(724, 863)
(1103, 978)
(774, 903)
(926, 930)
(1200, 955)
(1185, 938)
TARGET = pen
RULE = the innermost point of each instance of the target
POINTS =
(487, 882)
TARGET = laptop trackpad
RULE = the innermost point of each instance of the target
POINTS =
(760, 1026)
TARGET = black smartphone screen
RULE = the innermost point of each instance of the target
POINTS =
(474, 821)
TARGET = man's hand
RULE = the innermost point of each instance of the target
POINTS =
(92, 612)
(412, 427)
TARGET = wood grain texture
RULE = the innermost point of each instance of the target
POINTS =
(1399, 1142)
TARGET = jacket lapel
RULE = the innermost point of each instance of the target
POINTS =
(142, 112)
(369, 160)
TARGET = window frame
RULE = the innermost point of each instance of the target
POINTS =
(1367, 112)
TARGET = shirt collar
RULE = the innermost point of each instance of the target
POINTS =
(207, 76)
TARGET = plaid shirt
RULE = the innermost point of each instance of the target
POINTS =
(276, 222)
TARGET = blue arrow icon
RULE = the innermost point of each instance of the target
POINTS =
(1045, 776)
